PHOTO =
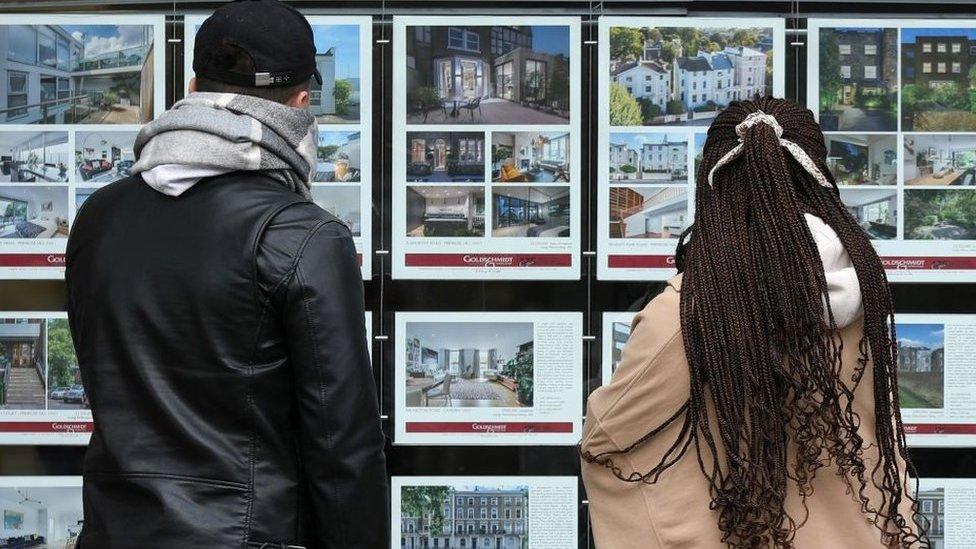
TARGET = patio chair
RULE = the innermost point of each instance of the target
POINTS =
(441, 389)
(473, 104)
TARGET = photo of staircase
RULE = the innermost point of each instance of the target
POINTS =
(22, 359)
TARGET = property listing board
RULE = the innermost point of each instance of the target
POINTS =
(488, 378)
(897, 103)
(506, 512)
(486, 148)
(662, 81)
(342, 184)
(77, 89)
(616, 331)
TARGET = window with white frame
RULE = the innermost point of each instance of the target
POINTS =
(956, 47)
(957, 68)
(926, 67)
(870, 49)
(845, 49)
(845, 71)
(927, 47)
(941, 47)
(941, 67)
(870, 71)
(463, 39)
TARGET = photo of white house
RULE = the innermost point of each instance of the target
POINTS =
(648, 157)
(337, 100)
(940, 160)
(469, 364)
(76, 74)
(41, 517)
(339, 157)
(33, 211)
(342, 202)
(685, 75)
(530, 157)
(103, 157)
(34, 157)
(648, 212)
(874, 209)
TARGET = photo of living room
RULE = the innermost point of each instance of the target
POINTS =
(530, 157)
(648, 157)
(342, 202)
(77, 74)
(445, 211)
(523, 211)
(940, 160)
(33, 211)
(34, 157)
(876, 211)
(469, 364)
(487, 74)
(41, 517)
(338, 157)
(23, 359)
(445, 157)
(648, 212)
(862, 159)
(103, 157)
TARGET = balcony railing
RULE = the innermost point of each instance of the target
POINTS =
(133, 56)
(74, 107)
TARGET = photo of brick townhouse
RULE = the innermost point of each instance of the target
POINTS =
(685, 76)
(858, 79)
(490, 517)
(938, 69)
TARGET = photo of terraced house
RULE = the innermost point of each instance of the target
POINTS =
(938, 73)
(530, 157)
(921, 365)
(444, 157)
(489, 517)
(469, 364)
(487, 75)
(648, 158)
(685, 75)
(103, 157)
(931, 504)
(76, 74)
(648, 212)
(23, 360)
(858, 79)
(34, 157)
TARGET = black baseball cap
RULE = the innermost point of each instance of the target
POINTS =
(276, 36)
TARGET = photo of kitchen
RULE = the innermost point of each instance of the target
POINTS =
(862, 159)
(530, 157)
(103, 157)
(529, 211)
(940, 160)
(445, 157)
(34, 157)
(342, 202)
(445, 211)
(339, 159)
(875, 210)
(469, 364)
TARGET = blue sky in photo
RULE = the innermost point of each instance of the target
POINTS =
(908, 36)
(551, 39)
(334, 138)
(345, 40)
(700, 142)
(923, 335)
(637, 140)
(104, 38)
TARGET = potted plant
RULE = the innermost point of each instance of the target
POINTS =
(521, 370)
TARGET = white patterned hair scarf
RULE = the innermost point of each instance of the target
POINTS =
(798, 153)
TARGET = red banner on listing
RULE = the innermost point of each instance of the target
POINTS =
(488, 427)
(928, 263)
(940, 429)
(31, 260)
(67, 427)
(640, 261)
(489, 260)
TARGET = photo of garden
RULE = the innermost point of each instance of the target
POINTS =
(940, 214)
(938, 77)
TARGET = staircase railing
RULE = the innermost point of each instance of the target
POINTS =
(4, 382)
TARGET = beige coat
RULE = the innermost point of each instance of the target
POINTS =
(649, 385)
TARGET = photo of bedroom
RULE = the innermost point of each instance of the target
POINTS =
(861, 159)
(41, 517)
(342, 202)
(34, 157)
(469, 364)
(23, 359)
(103, 157)
(648, 212)
(338, 157)
(530, 157)
(33, 211)
(445, 211)
(940, 160)
(876, 211)
(530, 211)
(445, 157)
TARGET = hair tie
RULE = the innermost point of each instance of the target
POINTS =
(798, 153)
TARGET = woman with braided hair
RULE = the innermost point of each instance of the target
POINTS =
(756, 404)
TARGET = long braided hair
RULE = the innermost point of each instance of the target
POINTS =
(763, 349)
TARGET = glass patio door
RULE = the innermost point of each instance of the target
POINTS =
(504, 76)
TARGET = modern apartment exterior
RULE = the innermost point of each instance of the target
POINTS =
(47, 76)
(868, 61)
(482, 518)
(935, 60)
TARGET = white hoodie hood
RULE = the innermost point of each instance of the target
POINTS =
(843, 288)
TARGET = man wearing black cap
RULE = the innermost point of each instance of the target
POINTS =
(217, 315)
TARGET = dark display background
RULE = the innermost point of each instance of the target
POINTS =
(592, 297)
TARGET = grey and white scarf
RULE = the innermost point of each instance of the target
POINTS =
(229, 132)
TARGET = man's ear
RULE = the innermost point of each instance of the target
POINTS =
(192, 86)
(300, 100)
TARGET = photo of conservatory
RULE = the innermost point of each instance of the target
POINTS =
(76, 74)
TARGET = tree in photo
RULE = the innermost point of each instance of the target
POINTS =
(745, 37)
(342, 94)
(649, 110)
(558, 85)
(61, 359)
(670, 50)
(626, 44)
(624, 109)
(425, 501)
(830, 78)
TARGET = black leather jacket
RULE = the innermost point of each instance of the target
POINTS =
(222, 345)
